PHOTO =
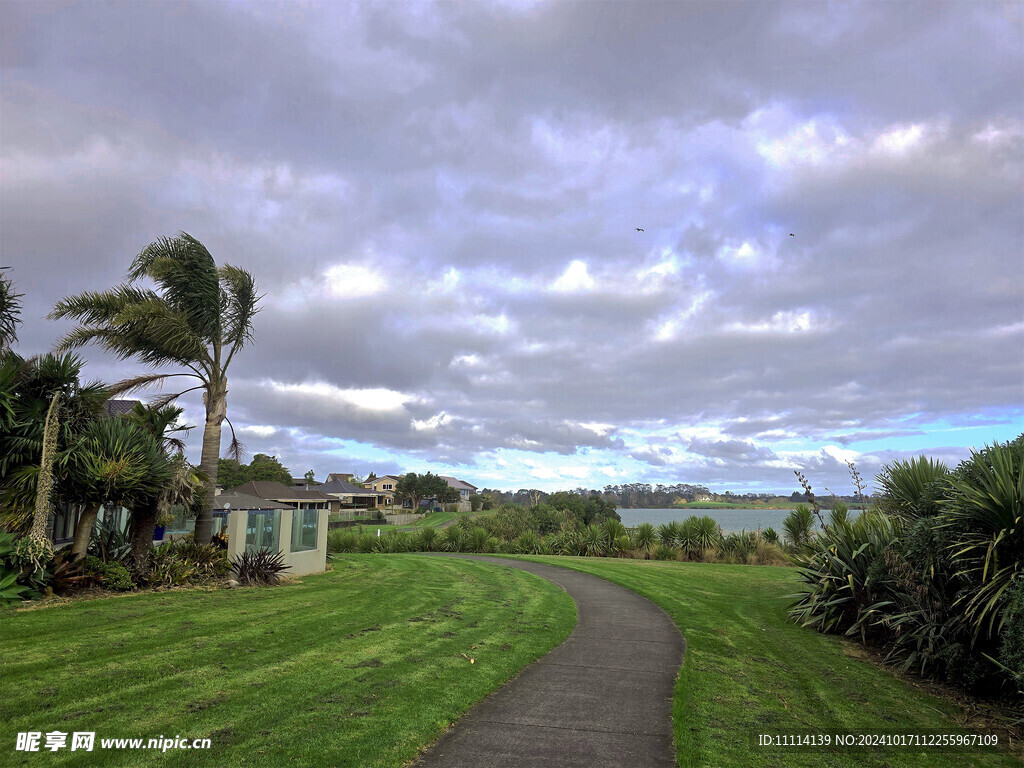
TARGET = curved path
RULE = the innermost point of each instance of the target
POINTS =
(601, 698)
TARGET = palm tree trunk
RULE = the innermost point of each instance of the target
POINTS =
(83, 530)
(143, 528)
(216, 409)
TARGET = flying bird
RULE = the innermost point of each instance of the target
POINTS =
(639, 230)
(791, 234)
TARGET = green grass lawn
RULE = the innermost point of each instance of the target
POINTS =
(749, 671)
(359, 667)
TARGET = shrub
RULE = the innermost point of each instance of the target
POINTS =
(566, 542)
(454, 539)
(911, 488)
(986, 507)
(770, 553)
(739, 545)
(839, 514)
(480, 540)
(10, 590)
(770, 536)
(183, 562)
(528, 544)
(367, 543)
(612, 528)
(428, 540)
(344, 540)
(645, 537)
(593, 542)
(668, 533)
(109, 543)
(697, 534)
(110, 575)
(1011, 651)
(837, 570)
(259, 567)
(798, 526)
(393, 542)
(621, 546)
(665, 552)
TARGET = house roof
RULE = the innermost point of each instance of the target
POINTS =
(346, 476)
(244, 501)
(269, 489)
(454, 482)
(340, 486)
(119, 407)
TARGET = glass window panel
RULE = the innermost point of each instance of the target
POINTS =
(262, 530)
(305, 523)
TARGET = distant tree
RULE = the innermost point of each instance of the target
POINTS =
(310, 476)
(232, 473)
(416, 487)
(476, 501)
(263, 467)
(370, 478)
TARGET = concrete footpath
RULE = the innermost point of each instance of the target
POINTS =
(601, 698)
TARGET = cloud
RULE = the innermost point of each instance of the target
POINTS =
(440, 204)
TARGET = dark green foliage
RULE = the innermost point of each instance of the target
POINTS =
(985, 505)
(179, 563)
(260, 567)
(645, 537)
(1011, 651)
(428, 540)
(839, 575)
(911, 488)
(769, 535)
(593, 541)
(798, 526)
(109, 575)
(936, 581)
(232, 473)
(345, 540)
(10, 590)
(109, 543)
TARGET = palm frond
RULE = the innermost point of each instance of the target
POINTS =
(187, 274)
(100, 307)
(236, 449)
(240, 306)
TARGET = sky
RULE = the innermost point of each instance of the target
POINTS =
(440, 203)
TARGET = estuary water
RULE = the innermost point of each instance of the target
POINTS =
(729, 519)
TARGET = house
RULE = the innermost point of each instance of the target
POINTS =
(385, 487)
(465, 490)
(347, 477)
(299, 498)
(351, 496)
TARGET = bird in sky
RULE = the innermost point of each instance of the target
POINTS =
(791, 234)
(639, 230)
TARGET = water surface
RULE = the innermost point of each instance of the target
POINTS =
(729, 519)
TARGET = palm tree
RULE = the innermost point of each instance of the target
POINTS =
(199, 317)
(114, 463)
(27, 392)
(10, 310)
(160, 422)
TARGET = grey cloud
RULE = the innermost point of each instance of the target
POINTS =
(508, 142)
